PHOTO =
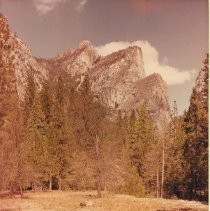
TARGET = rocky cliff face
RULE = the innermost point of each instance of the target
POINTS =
(74, 61)
(119, 79)
(23, 60)
(151, 90)
(113, 75)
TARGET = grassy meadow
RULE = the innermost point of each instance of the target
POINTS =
(87, 201)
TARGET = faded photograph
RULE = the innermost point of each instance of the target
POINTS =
(104, 105)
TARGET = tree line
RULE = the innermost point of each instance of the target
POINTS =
(62, 137)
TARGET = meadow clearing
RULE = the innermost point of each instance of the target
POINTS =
(87, 201)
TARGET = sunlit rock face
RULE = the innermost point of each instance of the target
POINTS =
(23, 61)
(75, 61)
(113, 75)
(118, 79)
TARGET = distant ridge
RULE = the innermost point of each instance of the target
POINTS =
(119, 78)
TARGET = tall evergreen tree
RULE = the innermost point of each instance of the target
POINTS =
(141, 136)
(46, 100)
(93, 115)
(196, 139)
(25, 170)
(36, 142)
(8, 108)
(46, 95)
(30, 92)
(61, 132)
(174, 166)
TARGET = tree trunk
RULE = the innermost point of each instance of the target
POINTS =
(1, 165)
(105, 186)
(60, 184)
(98, 183)
(21, 190)
(98, 172)
(157, 187)
(195, 187)
(50, 183)
(163, 169)
(35, 188)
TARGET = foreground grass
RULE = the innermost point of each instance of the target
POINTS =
(71, 201)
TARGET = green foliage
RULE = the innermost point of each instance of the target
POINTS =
(175, 164)
(8, 109)
(29, 96)
(196, 139)
(46, 100)
(137, 136)
(141, 136)
(134, 184)
(37, 142)
(60, 131)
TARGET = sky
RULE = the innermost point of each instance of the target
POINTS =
(173, 34)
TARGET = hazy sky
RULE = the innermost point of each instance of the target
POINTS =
(173, 34)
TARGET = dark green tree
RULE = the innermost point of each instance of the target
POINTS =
(141, 136)
(36, 146)
(9, 109)
(174, 165)
(46, 100)
(62, 136)
(93, 114)
(30, 92)
(196, 138)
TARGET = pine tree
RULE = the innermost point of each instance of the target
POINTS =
(122, 127)
(139, 143)
(196, 139)
(174, 167)
(61, 133)
(46, 100)
(25, 167)
(152, 167)
(46, 95)
(141, 136)
(30, 92)
(37, 143)
(92, 115)
(8, 109)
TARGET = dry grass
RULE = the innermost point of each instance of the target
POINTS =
(70, 201)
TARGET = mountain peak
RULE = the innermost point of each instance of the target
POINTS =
(118, 78)
(85, 43)
(76, 61)
(128, 61)
(133, 48)
(3, 19)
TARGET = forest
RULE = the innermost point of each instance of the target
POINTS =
(61, 137)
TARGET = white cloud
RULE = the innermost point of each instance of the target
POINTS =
(171, 75)
(45, 6)
(81, 5)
